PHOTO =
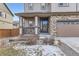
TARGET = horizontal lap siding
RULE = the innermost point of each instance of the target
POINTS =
(9, 32)
(68, 30)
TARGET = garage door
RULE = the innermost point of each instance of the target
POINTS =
(68, 28)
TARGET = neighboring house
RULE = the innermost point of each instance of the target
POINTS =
(57, 19)
(6, 17)
(6, 22)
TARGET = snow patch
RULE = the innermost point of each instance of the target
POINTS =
(41, 50)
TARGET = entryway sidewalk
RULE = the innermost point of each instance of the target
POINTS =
(72, 42)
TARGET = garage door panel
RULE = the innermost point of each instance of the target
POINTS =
(68, 30)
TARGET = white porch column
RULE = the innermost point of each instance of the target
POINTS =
(20, 25)
(36, 24)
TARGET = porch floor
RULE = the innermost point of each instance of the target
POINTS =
(41, 35)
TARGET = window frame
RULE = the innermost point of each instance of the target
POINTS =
(66, 5)
(2, 14)
(43, 6)
(30, 6)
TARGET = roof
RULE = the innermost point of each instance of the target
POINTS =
(8, 9)
(46, 14)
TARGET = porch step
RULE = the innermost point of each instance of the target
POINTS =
(44, 36)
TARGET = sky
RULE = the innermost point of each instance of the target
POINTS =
(16, 8)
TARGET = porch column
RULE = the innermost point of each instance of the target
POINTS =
(20, 25)
(36, 24)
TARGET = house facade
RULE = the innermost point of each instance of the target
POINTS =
(57, 19)
(6, 17)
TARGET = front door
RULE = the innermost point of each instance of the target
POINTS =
(44, 25)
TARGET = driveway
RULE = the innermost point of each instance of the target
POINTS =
(72, 42)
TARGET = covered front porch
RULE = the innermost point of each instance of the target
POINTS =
(41, 24)
(35, 24)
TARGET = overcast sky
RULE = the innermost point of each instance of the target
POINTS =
(16, 8)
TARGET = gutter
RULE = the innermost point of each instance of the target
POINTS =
(8, 9)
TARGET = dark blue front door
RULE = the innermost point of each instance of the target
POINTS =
(44, 25)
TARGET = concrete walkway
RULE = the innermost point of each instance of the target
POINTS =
(67, 50)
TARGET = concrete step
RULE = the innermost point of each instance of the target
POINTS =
(44, 36)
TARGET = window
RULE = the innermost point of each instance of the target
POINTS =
(63, 4)
(69, 22)
(30, 6)
(43, 6)
(1, 14)
(77, 22)
(72, 22)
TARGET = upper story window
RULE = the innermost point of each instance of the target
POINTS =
(63, 4)
(2, 14)
(30, 6)
(43, 6)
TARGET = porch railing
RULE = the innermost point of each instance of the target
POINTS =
(28, 30)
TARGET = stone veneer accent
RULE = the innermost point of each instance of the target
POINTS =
(52, 25)
(53, 21)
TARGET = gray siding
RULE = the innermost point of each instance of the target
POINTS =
(53, 7)
(70, 8)
(37, 8)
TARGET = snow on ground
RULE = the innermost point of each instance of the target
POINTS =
(41, 50)
(73, 42)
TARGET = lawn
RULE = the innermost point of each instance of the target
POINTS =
(10, 52)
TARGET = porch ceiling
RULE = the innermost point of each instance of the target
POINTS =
(46, 14)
